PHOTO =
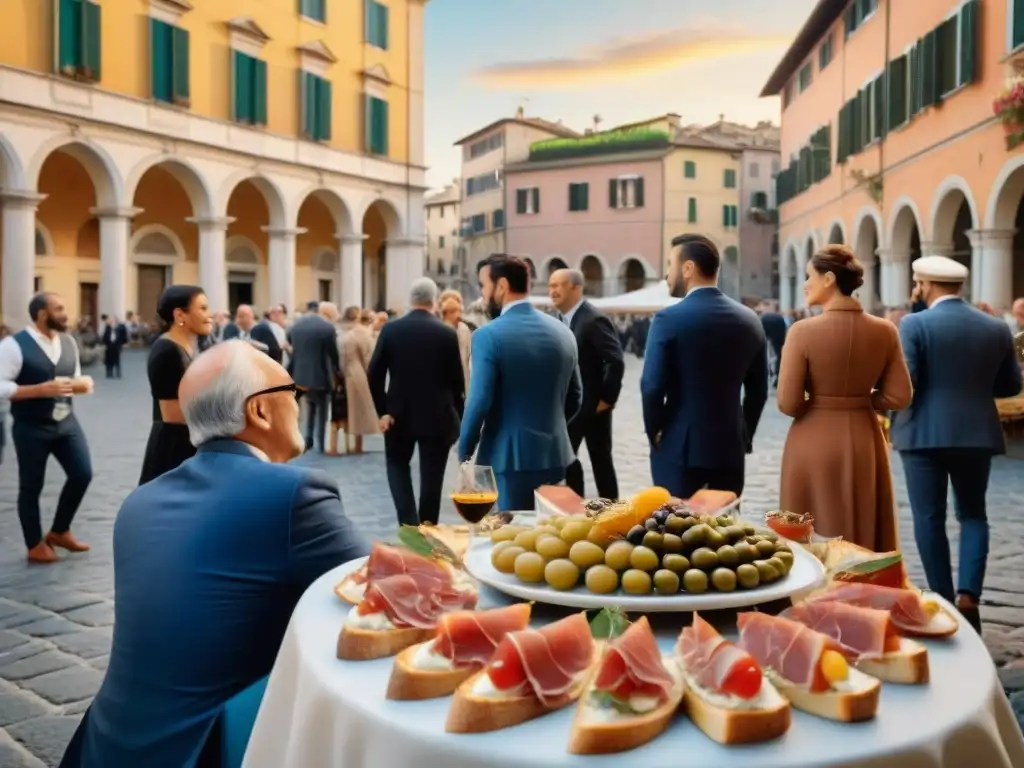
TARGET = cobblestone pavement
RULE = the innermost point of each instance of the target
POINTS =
(55, 622)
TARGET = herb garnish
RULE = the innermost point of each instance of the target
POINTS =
(608, 623)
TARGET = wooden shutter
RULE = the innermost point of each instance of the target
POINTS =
(638, 193)
(969, 42)
(323, 109)
(378, 126)
(613, 193)
(368, 18)
(536, 199)
(243, 79)
(929, 70)
(878, 129)
(585, 196)
(161, 56)
(382, 26)
(896, 101)
(850, 18)
(181, 76)
(691, 210)
(307, 104)
(92, 41)
(259, 92)
(1017, 24)
(69, 36)
(725, 216)
(572, 197)
(841, 135)
(521, 200)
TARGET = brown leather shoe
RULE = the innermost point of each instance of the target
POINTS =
(66, 541)
(42, 553)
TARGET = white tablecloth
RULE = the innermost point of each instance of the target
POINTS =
(319, 712)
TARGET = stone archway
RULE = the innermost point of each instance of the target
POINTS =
(836, 235)
(156, 254)
(632, 275)
(904, 249)
(244, 264)
(1002, 240)
(593, 276)
(256, 206)
(867, 239)
(552, 265)
(383, 281)
(788, 278)
(324, 225)
(323, 273)
(953, 217)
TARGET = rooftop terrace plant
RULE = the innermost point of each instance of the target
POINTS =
(606, 142)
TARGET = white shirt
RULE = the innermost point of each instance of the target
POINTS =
(941, 299)
(11, 358)
(569, 315)
(515, 303)
(282, 339)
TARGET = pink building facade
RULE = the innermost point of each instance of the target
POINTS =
(602, 215)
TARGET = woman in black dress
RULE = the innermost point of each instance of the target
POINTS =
(185, 313)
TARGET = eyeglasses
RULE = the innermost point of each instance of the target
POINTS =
(293, 388)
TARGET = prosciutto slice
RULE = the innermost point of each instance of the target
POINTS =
(632, 665)
(788, 648)
(386, 560)
(708, 657)
(415, 600)
(862, 633)
(549, 660)
(904, 605)
(469, 638)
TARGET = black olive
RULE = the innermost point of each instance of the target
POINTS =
(651, 524)
(636, 535)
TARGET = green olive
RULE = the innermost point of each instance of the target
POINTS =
(561, 574)
(551, 547)
(653, 540)
(643, 559)
(747, 552)
(498, 548)
(574, 531)
(765, 548)
(690, 522)
(782, 546)
(723, 579)
(779, 565)
(527, 540)
(748, 576)
(675, 525)
(728, 556)
(617, 555)
(666, 582)
(725, 521)
(675, 562)
(704, 558)
(505, 562)
(586, 554)
(671, 543)
(716, 538)
(506, 533)
(601, 580)
(749, 529)
(545, 530)
(735, 532)
(786, 558)
(769, 534)
(766, 572)
(530, 567)
(694, 537)
(695, 581)
(636, 582)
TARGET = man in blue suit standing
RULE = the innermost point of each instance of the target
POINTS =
(209, 561)
(960, 360)
(524, 390)
(700, 353)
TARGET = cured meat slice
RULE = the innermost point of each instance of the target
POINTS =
(788, 648)
(716, 664)
(862, 633)
(469, 638)
(386, 560)
(632, 665)
(546, 661)
(558, 500)
(413, 600)
(904, 605)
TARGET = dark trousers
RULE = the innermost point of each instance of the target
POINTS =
(929, 474)
(112, 361)
(515, 488)
(433, 452)
(682, 482)
(596, 430)
(317, 403)
(34, 444)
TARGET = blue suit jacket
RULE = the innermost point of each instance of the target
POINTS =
(960, 359)
(209, 561)
(524, 389)
(700, 353)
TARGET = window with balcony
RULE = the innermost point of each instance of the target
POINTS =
(316, 107)
(805, 77)
(376, 24)
(528, 201)
(759, 200)
(478, 223)
(78, 39)
(579, 196)
(691, 211)
(690, 167)
(249, 76)
(498, 219)
(626, 192)
(169, 62)
(313, 9)
(483, 183)
(825, 52)
(730, 178)
(377, 127)
(730, 216)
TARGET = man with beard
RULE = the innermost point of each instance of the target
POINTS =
(40, 371)
(700, 353)
(524, 390)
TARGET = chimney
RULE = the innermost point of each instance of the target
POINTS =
(674, 120)
(520, 113)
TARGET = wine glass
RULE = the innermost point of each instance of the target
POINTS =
(475, 494)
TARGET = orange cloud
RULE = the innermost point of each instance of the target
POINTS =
(628, 57)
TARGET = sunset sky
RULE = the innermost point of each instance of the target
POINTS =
(622, 60)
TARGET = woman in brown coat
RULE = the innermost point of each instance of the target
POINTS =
(838, 371)
(357, 349)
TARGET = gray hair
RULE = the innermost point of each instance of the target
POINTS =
(575, 277)
(218, 409)
(423, 292)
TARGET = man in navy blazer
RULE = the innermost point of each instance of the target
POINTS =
(960, 360)
(700, 353)
(209, 561)
(524, 390)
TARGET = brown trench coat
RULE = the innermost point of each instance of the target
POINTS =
(835, 465)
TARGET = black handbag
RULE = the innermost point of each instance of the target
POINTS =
(339, 401)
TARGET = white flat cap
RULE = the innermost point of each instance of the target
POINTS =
(940, 269)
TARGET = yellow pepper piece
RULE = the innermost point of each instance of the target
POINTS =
(834, 667)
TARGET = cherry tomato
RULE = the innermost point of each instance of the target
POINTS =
(743, 680)
(506, 669)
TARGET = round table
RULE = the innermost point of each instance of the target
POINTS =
(320, 712)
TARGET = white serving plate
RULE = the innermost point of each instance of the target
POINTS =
(807, 573)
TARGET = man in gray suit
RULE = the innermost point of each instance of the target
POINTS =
(960, 359)
(314, 364)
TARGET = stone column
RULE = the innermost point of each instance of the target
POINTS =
(351, 268)
(868, 293)
(281, 265)
(404, 264)
(114, 239)
(213, 277)
(799, 298)
(19, 254)
(785, 292)
(993, 266)
(895, 288)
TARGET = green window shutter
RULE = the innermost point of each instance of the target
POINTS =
(69, 36)
(383, 126)
(929, 70)
(324, 109)
(613, 193)
(690, 169)
(181, 78)
(850, 19)
(725, 215)
(879, 115)
(377, 126)
(1017, 24)
(161, 54)
(841, 136)
(243, 77)
(896, 113)
(638, 193)
(969, 42)
(691, 211)
(521, 200)
(536, 199)
(259, 92)
(307, 104)
(914, 81)
(92, 41)
(585, 196)
(572, 197)
(382, 26)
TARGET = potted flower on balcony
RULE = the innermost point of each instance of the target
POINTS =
(1009, 107)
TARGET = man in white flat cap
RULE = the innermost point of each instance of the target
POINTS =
(960, 360)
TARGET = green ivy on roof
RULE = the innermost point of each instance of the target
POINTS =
(606, 142)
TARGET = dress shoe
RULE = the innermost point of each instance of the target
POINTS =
(66, 541)
(42, 553)
(969, 610)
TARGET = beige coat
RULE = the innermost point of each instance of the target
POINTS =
(357, 349)
(465, 340)
(835, 465)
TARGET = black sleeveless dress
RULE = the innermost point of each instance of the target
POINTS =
(169, 444)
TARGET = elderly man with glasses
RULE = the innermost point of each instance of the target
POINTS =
(209, 561)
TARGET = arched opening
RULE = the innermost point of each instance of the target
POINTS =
(154, 258)
(906, 243)
(1007, 214)
(799, 300)
(593, 276)
(244, 262)
(835, 235)
(554, 264)
(632, 275)
(866, 242)
(324, 276)
(316, 261)
(788, 278)
(252, 204)
(533, 268)
(953, 220)
(729, 275)
(380, 222)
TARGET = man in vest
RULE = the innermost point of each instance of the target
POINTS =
(39, 372)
